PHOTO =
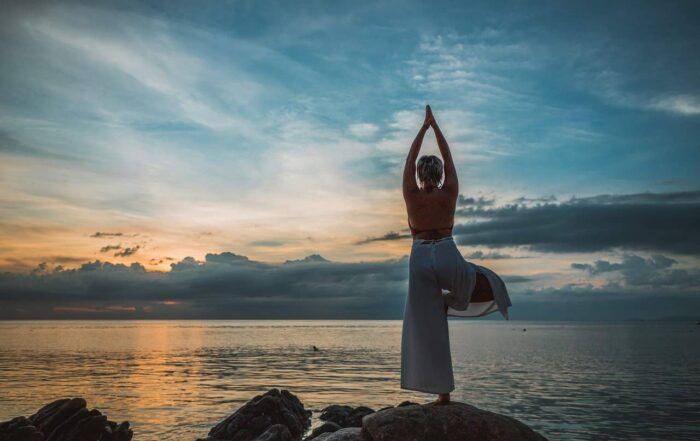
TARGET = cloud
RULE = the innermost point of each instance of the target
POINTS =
(225, 258)
(654, 272)
(223, 285)
(491, 255)
(363, 130)
(11, 146)
(180, 104)
(629, 262)
(108, 248)
(267, 243)
(688, 105)
(63, 259)
(158, 261)
(128, 251)
(662, 222)
(313, 258)
(480, 202)
(469, 206)
(391, 235)
(541, 200)
(453, 62)
(102, 234)
(230, 285)
(515, 279)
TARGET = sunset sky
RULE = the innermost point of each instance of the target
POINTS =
(165, 159)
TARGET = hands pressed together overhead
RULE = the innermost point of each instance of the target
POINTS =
(429, 118)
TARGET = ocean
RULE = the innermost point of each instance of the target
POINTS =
(173, 380)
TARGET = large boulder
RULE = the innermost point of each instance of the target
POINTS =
(257, 419)
(450, 422)
(345, 416)
(67, 419)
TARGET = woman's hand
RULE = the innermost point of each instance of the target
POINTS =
(433, 122)
(429, 120)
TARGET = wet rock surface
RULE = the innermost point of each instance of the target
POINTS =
(19, 429)
(345, 416)
(346, 434)
(276, 432)
(327, 427)
(451, 422)
(258, 418)
(67, 419)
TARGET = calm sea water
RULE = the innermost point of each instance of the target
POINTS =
(175, 379)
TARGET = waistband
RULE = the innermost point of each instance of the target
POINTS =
(429, 241)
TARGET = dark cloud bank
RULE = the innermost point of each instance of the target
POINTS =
(225, 285)
(664, 222)
(228, 285)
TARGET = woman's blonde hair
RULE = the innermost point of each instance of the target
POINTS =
(430, 170)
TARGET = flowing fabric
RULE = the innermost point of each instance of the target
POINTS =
(436, 266)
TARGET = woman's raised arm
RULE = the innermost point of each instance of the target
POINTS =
(451, 183)
(409, 169)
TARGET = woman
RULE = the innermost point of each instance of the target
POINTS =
(436, 265)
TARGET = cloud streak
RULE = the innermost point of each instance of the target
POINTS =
(99, 234)
(128, 251)
(390, 236)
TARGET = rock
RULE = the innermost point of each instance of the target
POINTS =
(327, 427)
(56, 413)
(345, 416)
(277, 432)
(280, 416)
(346, 434)
(336, 413)
(451, 422)
(67, 419)
(20, 429)
(406, 403)
(260, 414)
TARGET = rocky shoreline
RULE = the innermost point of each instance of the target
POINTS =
(279, 415)
(65, 420)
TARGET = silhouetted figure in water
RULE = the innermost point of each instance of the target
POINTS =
(435, 265)
(315, 348)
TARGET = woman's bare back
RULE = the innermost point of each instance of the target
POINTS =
(431, 214)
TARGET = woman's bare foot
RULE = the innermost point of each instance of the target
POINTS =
(443, 399)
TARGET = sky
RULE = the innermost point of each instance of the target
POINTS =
(243, 159)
